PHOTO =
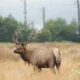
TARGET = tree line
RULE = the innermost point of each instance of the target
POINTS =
(54, 30)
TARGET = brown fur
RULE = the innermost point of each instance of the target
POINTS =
(40, 57)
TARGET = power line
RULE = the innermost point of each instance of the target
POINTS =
(78, 11)
(25, 16)
(36, 10)
(43, 16)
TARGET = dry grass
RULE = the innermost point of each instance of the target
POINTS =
(12, 67)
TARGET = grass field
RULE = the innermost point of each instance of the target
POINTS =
(12, 67)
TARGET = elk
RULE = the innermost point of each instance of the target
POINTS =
(40, 57)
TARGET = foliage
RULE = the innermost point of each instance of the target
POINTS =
(45, 35)
(60, 30)
(8, 26)
(54, 30)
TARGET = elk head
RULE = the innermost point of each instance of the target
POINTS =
(21, 46)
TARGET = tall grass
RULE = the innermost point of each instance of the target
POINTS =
(12, 67)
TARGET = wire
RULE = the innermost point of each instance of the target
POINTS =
(35, 11)
(33, 8)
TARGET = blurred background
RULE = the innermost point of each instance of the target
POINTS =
(58, 20)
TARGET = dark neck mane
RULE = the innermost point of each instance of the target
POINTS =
(26, 55)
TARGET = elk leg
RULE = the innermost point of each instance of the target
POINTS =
(52, 66)
(39, 69)
(58, 67)
(35, 68)
(53, 70)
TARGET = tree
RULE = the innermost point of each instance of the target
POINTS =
(56, 27)
(54, 30)
(45, 35)
(69, 32)
(2, 28)
(10, 27)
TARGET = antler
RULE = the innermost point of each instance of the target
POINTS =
(16, 40)
(23, 43)
(31, 37)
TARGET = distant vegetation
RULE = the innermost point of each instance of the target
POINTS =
(54, 30)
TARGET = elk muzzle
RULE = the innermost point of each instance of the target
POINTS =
(15, 51)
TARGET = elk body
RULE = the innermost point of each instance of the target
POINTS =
(40, 57)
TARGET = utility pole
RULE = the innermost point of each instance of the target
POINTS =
(78, 6)
(25, 16)
(43, 16)
(32, 24)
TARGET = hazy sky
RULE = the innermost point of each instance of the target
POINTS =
(66, 9)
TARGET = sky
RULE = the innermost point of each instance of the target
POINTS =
(66, 9)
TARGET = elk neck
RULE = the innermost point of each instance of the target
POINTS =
(26, 55)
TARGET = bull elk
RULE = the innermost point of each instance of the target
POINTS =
(40, 57)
